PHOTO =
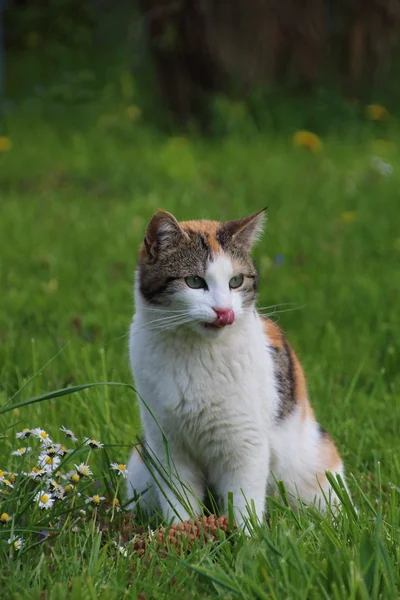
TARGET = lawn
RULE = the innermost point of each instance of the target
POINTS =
(77, 187)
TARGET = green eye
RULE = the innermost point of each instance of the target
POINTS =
(195, 282)
(236, 282)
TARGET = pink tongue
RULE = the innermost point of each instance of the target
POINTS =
(224, 317)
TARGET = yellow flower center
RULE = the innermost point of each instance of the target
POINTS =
(16, 544)
(4, 517)
(115, 502)
(21, 450)
(68, 488)
(96, 499)
(44, 498)
(75, 478)
(6, 481)
(1, 473)
(122, 467)
(48, 460)
(25, 429)
(44, 435)
(58, 473)
(63, 449)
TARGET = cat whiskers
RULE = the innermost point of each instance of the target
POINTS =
(160, 327)
(167, 322)
(276, 312)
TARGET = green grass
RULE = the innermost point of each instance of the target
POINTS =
(76, 193)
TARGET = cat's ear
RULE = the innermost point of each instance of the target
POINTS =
(245, 232)
(162, 231)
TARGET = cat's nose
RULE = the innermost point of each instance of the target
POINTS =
(225, 316)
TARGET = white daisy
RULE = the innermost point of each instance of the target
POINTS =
(21, 451)
(96, 499)
(56, 489)
(83, 470)
(44, 499)
(120, 468)
(62, 450)
(23, 434)
(93, 443)
(36, 473)
(16, 542)
(73, 477)
(48, 463)
(70, 434)
(56, 449)
(42, 436)
(7, 482)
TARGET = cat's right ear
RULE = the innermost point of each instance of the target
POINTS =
(162, 231)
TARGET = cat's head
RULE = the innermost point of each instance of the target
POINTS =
(198, 274)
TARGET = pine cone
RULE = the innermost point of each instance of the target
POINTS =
(183, 535)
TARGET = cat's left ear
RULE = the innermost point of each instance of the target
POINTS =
(245, 232)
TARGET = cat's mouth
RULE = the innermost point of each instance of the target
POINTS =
(224, 317)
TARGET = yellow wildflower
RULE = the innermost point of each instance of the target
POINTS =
(32, 40)
(133, 113)
(51, 286)
(308, 140)
(348, 217)
(5, 143)
(376, 112)
(5, 517)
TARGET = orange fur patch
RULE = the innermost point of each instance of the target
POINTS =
(277, 340)
(207, 228)
(330, 455)
(300, 387)
(274, 334)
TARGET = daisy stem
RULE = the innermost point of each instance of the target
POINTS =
(70, 513)
(94, 519)
(115, 496)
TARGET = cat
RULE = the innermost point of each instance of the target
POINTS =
(223, 396)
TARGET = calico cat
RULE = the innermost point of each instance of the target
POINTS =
(219, 382)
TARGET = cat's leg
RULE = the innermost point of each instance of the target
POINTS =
(140, 485)
(245, 476)
(302, 453)
(178, 482)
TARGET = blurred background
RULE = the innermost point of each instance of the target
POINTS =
(326, 58)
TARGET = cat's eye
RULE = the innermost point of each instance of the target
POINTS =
(196, 282)
(236, 282)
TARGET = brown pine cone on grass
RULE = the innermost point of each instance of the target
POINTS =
(183, 535)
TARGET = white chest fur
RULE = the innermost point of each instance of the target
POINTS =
(210, 396)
